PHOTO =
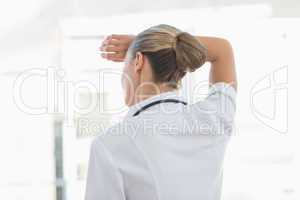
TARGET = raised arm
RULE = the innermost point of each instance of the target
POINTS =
(220, 55)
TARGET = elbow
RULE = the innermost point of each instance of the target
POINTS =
(225, 49)
(225, 44)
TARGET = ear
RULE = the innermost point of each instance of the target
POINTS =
(139, 62)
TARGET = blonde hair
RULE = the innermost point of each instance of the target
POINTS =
(170, 51)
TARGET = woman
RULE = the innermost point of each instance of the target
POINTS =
(165, 148)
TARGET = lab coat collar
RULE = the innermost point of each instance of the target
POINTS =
(165, 95)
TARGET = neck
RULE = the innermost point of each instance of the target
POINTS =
(150, 90)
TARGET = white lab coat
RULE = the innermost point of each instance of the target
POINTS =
(170, 151)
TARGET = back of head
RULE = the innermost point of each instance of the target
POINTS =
(170, 51)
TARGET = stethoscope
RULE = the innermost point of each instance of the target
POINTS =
(158, 102)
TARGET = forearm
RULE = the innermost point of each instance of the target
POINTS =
(220, 55)
(214, 45)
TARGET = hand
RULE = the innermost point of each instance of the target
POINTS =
(114, 47)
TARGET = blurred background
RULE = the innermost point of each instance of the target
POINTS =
(58, 94)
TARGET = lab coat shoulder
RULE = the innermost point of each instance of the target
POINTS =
(104, 180)
(130, 167)
(218, 108)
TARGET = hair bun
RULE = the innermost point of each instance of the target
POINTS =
(190, 53)
(170, 52)
(176, 39)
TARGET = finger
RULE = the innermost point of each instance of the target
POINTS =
(115, 40)
(113, 56)
(118, 36)
(106, 39)
(113, 48)
(118, 60)
(112, 42)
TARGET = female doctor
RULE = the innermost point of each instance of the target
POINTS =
(165, 148)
